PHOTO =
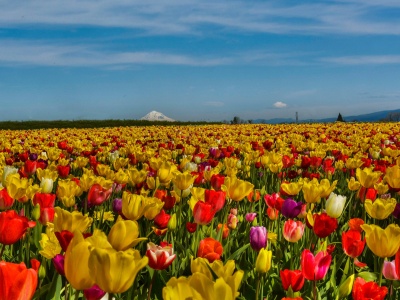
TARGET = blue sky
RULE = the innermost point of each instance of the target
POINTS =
(198, 60)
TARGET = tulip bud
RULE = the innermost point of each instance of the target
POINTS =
(263, 261)
(42, 272)
(36, 212)
(258, 237)
(46, 185)
(172, 223)
(346, 287)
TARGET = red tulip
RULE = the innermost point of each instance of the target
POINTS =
(63, 171)
(217, 180)
(12, 227)
(215, 198)
(30, 167)
(210, 249)
(16, 281)
(64, 238)
(315, 267)
(324, 225)
(160, 257)
(292, 278)
(162, 219)
(368, 290)
(44, 200)
(5, 200)
(352, 243)
(97, 194)
(191, 227)
(203, 213)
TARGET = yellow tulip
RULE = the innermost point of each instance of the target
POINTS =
(120, 163)
(210, 290)
(353, 185)
(124, 235)
(292, 188)
(382, 242)
(75, 221)
(237, 189)
(66, 192)
(312, 191)
(135, 176)
(81, 161)
(179, 288)
(134, 206)
(114, 271)
(327, 187)
(380, 209)
(49, 243)
(16, 186)
(227, 272)
(353, 163)
(46, 173)
(381, 188)
(183, 181)
(392, 176)
(121, 177)
(263, 261)
(7, 171)
(367, 177)
(154, 206)
(166, 172)
(76, 264)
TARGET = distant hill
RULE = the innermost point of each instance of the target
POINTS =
(372, 117)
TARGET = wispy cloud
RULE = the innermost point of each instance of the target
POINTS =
(280, 104)
(364, 60)
(178, 17)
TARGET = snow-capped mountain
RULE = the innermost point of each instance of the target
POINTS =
(156, 116)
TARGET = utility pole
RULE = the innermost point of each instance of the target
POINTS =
(297, 117)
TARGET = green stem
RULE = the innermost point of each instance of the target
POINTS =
(151, 285)
(258, 286)
(2, 251)
(381, 272)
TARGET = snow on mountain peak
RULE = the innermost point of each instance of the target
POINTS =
(156, 116)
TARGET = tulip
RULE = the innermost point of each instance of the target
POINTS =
(6, 172)
(124, 234)
(312, 191)
(217, 180)
(353, 185)
(203, 213)
(293, 279)
(166, 172)
(58, 262)
(154, 206)
(49, 243)
(134, 206)
(183, 181)
(392, 177)
(380, 209)
(136, 177)
(76, 264)
(16, 186)
(5, 200)
(263, 261)
(291, 188)
(162, 219)
(382, 242)
(66, 192)
(389, 270)
(237, 189)
(94, 293)
(293, 230)
(191, 227)
(258, 237)
(352, 243)
(12, 227)
(114, 271)
(335, 205)
(17, 282)
(71, 221)
(346, 287)
(368, 290)
(46, 185)
(291, 209)
(215, 198)
(210, 249)
(97, 194)
(324, 225)
(250, 217)
(315, 267)
(160, 257)
(367, 177)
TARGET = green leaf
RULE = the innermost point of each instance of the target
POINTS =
(368, 276)
(235, 255)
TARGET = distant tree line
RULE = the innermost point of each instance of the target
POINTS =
(26, 125)
(392, 117)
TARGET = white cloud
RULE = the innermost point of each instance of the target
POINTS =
(280, 104)
(364, 60)
(177, 17)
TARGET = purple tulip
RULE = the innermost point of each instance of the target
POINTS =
(117, 205)
(258, 237)
(33, 156)
(94, 293)
(396, 212)
(58, 262)
(291, 209)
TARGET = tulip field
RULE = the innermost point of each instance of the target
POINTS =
(296, 211)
